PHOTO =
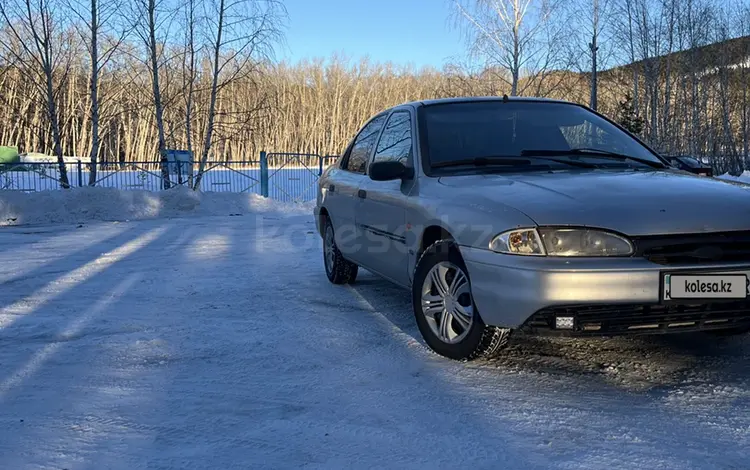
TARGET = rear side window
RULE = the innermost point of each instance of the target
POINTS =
(395, 143)
(363, 145)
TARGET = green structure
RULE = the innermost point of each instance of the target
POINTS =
(9, 155)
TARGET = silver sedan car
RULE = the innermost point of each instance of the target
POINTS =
(533, 216)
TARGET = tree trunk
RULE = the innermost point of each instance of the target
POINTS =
(516, 59)
(594, 49)
(157, 93)
(191, 89)
(745, 137)
(94, 89)
(55, 124)
(212, 102)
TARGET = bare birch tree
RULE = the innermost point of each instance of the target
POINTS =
(37, 44)
(724, 69)
(741, 14)
(512, 34)
(628, 36)
(240, 34)
(102, 31)
(592, 45)
(189, 66)
(152, 24)
(694, 25)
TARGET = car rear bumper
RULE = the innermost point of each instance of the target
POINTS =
(602, 296)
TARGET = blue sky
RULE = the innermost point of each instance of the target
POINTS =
(355, 28)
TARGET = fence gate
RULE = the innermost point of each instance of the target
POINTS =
(147, 176)
(31, 177)
(231, 177)
(292, 177)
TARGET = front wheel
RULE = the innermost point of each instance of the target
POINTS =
(338, 269)
(444, 307)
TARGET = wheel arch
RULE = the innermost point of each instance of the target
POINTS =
(431, 234)
(322, 217)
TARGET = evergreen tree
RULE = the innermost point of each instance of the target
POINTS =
(627, 117)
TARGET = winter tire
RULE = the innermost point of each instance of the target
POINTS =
(445, 310)
(338, 269)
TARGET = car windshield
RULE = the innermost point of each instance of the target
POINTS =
(464, 131)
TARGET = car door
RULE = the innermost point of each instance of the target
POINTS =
(342, 187)
(381, 213)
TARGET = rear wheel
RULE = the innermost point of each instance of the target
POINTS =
(338, 269)
(444, 307)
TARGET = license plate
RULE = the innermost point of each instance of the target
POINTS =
(705, 286)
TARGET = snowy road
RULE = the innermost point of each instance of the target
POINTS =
(217, 342)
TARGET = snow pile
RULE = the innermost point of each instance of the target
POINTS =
(743, 178)
(110, 204)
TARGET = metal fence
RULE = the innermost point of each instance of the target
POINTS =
(283, 176)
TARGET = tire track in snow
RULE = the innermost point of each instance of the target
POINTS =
(73, 329)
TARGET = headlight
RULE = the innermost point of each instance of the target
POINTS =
(561, 242)
(518, 242)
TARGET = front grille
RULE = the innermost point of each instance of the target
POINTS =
(641, 318)
(708, 248)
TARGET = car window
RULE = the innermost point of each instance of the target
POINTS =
(467, 130)
(343, 160)
(691, 162)
(362, 148)
(395, 142)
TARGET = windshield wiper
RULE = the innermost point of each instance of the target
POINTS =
(484, 161)
(508, 161)
(594, 153)
(577, 163)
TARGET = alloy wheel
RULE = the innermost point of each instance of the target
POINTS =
(446, 302)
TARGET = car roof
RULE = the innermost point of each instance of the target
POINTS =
(468, 99)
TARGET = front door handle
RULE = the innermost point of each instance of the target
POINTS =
(362, 194)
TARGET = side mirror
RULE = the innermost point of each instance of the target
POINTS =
(389, 170)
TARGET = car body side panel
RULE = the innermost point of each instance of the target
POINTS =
(341, 203)
(469, 222)
(381, 218)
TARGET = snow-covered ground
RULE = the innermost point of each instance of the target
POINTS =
(179, 330)
(217, 342)
(110, 204)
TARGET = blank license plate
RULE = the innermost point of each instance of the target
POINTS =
(705, 286)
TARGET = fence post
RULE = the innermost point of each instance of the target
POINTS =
(320, 165)
(80, 174)
(263, 173)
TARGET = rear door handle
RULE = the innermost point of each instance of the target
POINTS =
(362, 194)
(332, 188)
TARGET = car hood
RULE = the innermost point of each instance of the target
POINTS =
(629, 202)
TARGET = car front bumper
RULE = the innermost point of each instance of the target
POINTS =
(603, 296)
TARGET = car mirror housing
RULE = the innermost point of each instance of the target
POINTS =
(389, 170)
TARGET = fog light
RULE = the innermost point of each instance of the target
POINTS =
(564, 323)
